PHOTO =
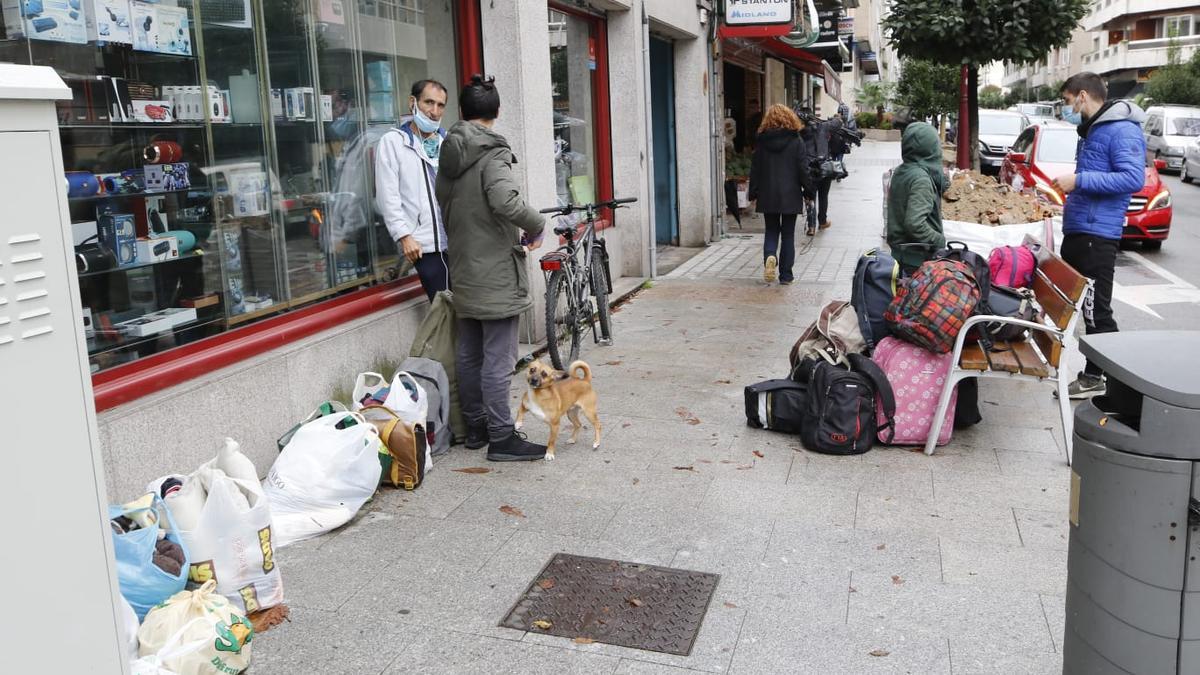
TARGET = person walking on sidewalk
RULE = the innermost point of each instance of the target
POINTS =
(406, 165)
(816, 137)
(914, 200)
(1109, 168)
(779, 184)
(485, 216)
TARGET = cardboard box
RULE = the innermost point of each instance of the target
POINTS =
(248, 190)
(82, 231)
(120, 105)
(49, 20)
(277, 104)
(158, 249)
(326, 108)
(118, 232)
(153, 111)
(89, 328)
(167, 177)
(108, 21)
(218, 103)
(157, 322)
(160, 28)
(201, 301)
(299, 103)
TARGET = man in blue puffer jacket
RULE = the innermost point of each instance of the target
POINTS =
(1109, 168)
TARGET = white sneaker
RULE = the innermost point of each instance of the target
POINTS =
(770, 269)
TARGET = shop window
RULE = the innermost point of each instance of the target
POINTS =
(220, 154)
(572, 64)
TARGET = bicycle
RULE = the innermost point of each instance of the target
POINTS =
(569, 310)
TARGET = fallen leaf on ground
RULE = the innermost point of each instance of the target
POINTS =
(880, 547)
(853, 589)
(706, 461)
(473, 469)
(636, 602)
(684, 468)
(730, 605)
(512, 511)
(727, 461)
(264, 620)
(546, 584)
(613, 363)
(583, 641)
(744, 467)
(693, 421)
(758, 454)
(636, 481)
(722, 382)
(543, 624)
(626, 425)
(897, 580)
(879, 652)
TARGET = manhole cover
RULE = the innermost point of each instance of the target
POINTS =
(621, 603)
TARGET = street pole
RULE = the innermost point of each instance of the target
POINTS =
(962, 138)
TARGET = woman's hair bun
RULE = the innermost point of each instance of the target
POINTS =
(487, 82)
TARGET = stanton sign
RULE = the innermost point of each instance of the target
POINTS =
(759, 12)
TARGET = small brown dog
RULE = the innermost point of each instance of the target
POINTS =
(553, 393)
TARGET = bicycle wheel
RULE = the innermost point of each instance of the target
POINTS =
(600, 291)
(563, 333)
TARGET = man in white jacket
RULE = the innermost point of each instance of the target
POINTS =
(406, 164)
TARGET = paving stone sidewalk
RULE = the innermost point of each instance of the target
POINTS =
(888, 562)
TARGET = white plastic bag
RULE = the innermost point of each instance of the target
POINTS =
(407, 398)
(981, 239)
(195, 633)
(323, 477)
(129, 629)
(230, 538)
(366, 384)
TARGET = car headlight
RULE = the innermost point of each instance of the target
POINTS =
(1161, 200)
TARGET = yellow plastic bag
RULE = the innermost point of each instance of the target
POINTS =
(218, 643)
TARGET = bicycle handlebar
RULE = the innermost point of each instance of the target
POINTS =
(571, 208)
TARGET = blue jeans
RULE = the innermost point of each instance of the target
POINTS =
(781, 226)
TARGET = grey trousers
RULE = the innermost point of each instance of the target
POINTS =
(487, 354)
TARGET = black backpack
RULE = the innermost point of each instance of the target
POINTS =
(958, 251)
(875, 279)
(777, 405)
(839, 418)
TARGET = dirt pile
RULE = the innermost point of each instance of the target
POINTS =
(975, 198)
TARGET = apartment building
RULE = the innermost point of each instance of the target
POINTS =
(873, 58)
(1131, 38)
(1054, 68)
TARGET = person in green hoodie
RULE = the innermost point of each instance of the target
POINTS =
(485, 217)
(914, 201)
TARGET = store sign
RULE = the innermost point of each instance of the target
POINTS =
(846, 25)
(759, 12)
(591, 53)
(828, 21)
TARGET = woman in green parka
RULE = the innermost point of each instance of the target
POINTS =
(914, 202)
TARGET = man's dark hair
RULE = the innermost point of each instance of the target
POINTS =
(419, 86)
(1089, 82)
(479, 99)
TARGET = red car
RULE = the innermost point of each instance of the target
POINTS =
(1045, 151)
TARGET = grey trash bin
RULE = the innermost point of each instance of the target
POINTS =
(1133, 574)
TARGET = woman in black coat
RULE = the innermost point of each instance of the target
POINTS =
(780, 181)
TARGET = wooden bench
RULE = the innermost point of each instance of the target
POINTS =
(1049, 344)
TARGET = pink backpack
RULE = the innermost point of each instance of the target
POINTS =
(1012, 266)
(917, 376)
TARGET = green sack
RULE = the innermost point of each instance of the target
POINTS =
(436, 339)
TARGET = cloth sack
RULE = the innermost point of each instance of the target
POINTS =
(432, 377)
(323, 477)
(195, 633)
(832, 337)
(231, 540)
(437, 339)
(143, 583)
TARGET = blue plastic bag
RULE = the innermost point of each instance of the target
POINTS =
(143, 583)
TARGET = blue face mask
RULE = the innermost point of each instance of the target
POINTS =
(1070, 116)
(426, 125)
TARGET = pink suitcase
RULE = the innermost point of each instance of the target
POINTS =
(917, 376)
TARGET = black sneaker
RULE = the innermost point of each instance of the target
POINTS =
(515, 449)
(477, 436)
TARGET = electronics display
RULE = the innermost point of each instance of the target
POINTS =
(127, 182)
(162, 152)
(153, 111)
(82, 184)
(94, 257)
(298, 102)
(160, 28)
(249, 192)
(157, 322)
(157, 249)
(220, 10)
(50, 20)
(108, 21)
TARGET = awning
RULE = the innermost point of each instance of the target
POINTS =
(796, 58)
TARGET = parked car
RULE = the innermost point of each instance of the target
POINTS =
(1169, 129)
(1191, 162)
(997, 131)
(1037, 113)
(1044, 152)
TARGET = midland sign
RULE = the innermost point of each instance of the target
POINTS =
(759, 12)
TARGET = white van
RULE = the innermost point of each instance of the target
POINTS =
(1169, 130)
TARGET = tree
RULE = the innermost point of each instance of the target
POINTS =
(1176, 82)
(875, 95)
(992, 98)
(927, 89)
(978, 32)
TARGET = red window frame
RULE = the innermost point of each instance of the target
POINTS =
(145, 376)
(601, 111)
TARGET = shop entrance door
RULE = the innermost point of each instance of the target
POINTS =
(662, 115)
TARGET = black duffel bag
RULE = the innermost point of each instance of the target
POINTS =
(1017, 303)
(777, 405)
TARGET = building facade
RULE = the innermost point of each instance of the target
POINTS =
(1059, 64)
(233, 266)
(1131, 38)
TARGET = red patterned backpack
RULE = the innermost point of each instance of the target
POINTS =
(932, 305)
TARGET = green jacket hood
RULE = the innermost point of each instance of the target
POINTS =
(465, 145)
(920, 146)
